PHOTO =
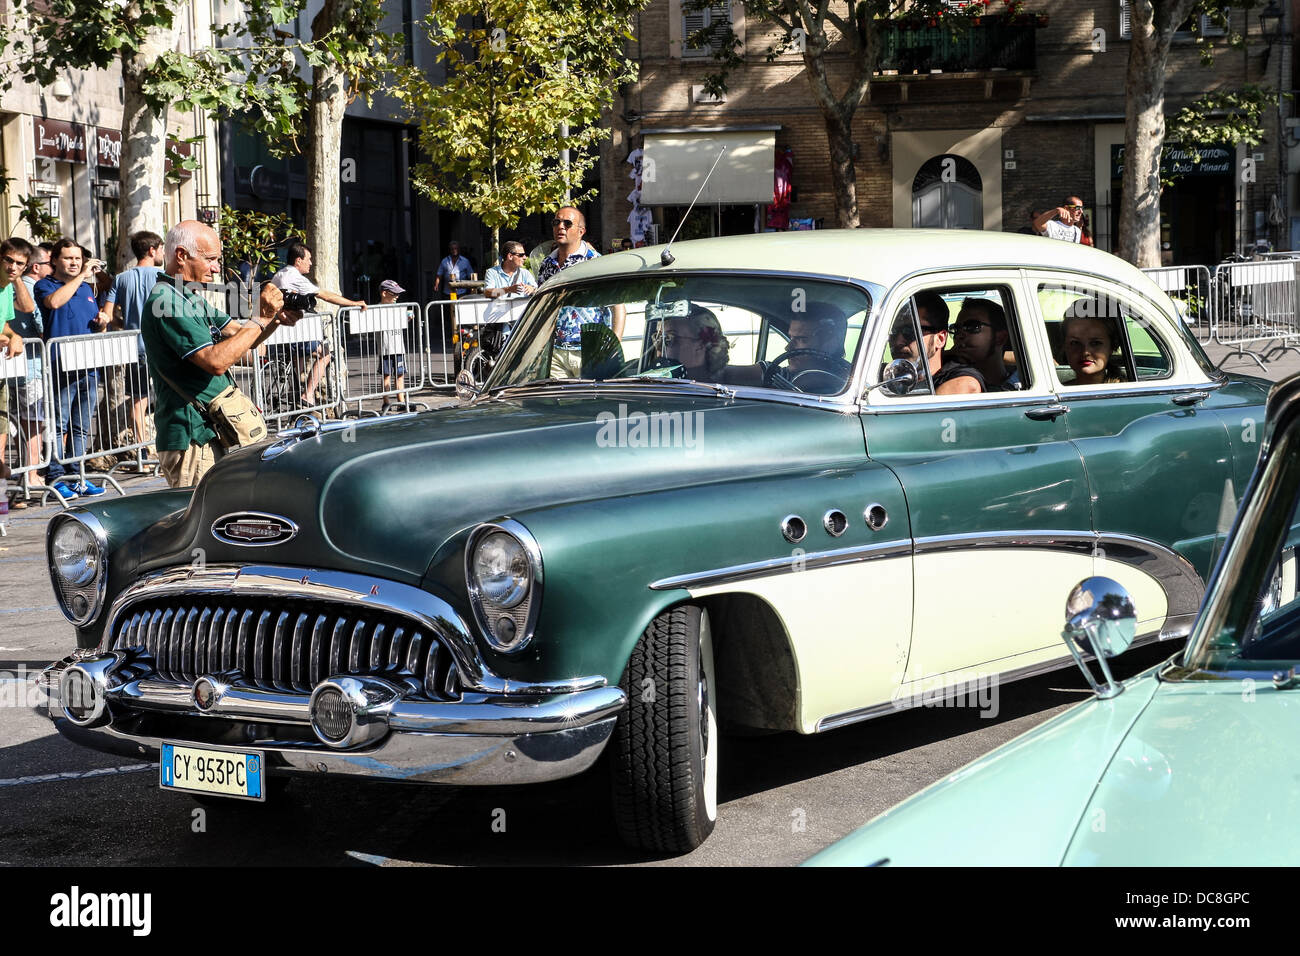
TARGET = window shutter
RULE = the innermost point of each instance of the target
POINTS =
(1211, 29)
(1125, 21)
(695, 20)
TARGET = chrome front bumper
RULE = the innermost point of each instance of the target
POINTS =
(482, 739)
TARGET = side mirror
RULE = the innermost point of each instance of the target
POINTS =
(1100, 621)
(466, 387)
(900, 377)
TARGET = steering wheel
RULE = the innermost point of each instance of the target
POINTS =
(836, 374)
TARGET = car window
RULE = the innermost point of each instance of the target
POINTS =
(962, 339)
(1099, 339)
(779, 333)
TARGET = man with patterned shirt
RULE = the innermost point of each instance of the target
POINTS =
(568, 229)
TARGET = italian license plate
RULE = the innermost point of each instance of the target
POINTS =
(226, 773)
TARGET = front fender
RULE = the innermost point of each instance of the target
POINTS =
(125, 522)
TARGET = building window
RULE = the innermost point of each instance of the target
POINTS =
(948, 193)
(1194, 25)
(693, 21)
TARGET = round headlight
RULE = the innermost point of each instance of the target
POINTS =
(500, 570)
(75, 554)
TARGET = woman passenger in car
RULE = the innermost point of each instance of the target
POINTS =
(695, 341)
(1091, 343)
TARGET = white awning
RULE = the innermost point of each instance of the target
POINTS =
(676, 162)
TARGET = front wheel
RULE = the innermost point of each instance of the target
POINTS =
(665, 746)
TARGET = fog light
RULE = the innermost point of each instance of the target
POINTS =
(80, 697)
(331, 715)
(505, 630)
(79, 605)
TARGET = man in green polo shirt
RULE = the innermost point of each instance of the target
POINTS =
(193, 345)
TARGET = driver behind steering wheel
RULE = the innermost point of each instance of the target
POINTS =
(820, 342)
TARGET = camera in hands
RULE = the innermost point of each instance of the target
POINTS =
(299, 302)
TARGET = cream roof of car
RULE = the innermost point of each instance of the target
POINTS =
(882, 256)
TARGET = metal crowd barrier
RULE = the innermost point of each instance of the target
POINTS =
(438, 366)
(96, 381)
(1191, 288)
(482, 327)
(1255, 302)
(387, 343)
(290, 360)
(26, 410)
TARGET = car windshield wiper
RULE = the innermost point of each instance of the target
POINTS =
(546, 383)
(688, 382)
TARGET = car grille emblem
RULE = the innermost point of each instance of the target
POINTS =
(253, 529)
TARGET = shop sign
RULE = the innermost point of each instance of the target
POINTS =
(1178, 160)
(108, 148)
(58, 139)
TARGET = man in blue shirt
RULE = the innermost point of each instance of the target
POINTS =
(453, 268)
(67, 303)
(127, 297)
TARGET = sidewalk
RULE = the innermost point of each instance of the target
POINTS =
(1280, 365)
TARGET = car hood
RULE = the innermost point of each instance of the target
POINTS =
(391, 494)
(1163, 774)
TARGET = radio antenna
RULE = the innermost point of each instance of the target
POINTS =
(666, 258)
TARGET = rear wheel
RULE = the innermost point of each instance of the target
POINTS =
(665, 746)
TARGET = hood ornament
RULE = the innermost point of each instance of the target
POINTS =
(253, 529)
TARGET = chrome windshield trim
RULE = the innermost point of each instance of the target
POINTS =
(758, 569)
(338, 587)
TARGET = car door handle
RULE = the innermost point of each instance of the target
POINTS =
(1190, 398)
(1045, 412)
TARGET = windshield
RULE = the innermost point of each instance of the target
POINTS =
(786, 334)
(1251, 620)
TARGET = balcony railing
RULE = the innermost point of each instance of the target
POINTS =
(976, 48)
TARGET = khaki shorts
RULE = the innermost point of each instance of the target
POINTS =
(4, 409)
(183, 469)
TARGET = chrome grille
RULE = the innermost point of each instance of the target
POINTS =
(287, 646)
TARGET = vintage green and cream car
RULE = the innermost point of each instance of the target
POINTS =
(1179, 766)
(726, 487)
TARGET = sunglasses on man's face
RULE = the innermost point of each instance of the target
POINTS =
(907, 334)
(566, 223)
(968, 327)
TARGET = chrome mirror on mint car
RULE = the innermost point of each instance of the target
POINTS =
(899, 377)
(1100, 620)
(466, 387)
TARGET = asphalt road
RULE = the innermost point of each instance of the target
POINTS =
(783, 797)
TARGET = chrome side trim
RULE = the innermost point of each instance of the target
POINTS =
(338, 588)
(759, 569)
(1183, 587)
(940, 695)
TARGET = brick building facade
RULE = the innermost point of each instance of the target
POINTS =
(1020, 116)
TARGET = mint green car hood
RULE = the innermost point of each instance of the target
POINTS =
(386, 497)
(1163, 774)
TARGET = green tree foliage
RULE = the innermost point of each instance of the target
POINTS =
(43, 225)
(1218, 117)
(258, 75)
(516, 70)
(253, 237)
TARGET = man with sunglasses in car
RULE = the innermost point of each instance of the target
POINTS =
(980, 339)
(1063, 222)
(951, 377)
